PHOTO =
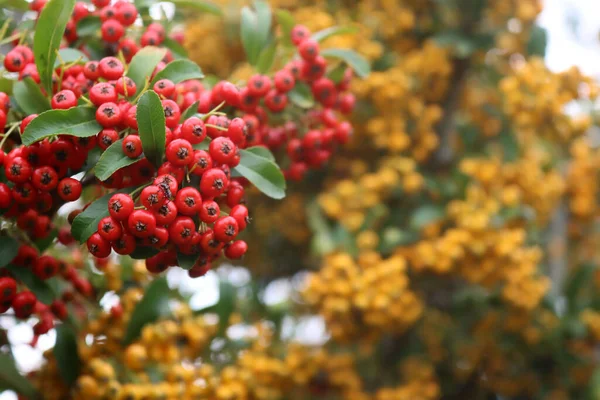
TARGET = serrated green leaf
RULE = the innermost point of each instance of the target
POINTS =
(153, 305)
(77, 121)
(48, 34)
(198, 5)
(151, 127)
(333, 31)
(178, 71)
(262, 173)
(66, 354)
(88, 26)
(29, 97)
(186, 261)
(354, 60)
(301, 95)
(68, 56)
(261, 151)
(286, 22)
(42, 291)
(189, 112)
(9, 248)
(266, 58)
(142, 65)
(112, 160)
(10, 378)
(85, 224)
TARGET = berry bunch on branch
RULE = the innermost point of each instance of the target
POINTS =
(106, 122)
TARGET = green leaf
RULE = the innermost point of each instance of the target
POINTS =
(48, 34)
(43, 244)
(143, 3)
(177, 50)
(77, 121)
(68, 56)
(266, 59)
(65, 352)
(462, 44)
(85, 224)
(301, 95)
(337, 74)
(143, 64)
(9, 248)
(425, 215)
(6, 85)
(21, 5)
(264, 19)
(37, 286)
(286, 22)
(199, 5)
(333, 31)
(189, 112)
(354, 60)
(153, 305)
(226, 304)
(10, 378)
(262, 173)
(143, 253)
(186, 261)
(538, 41)
(261, 151)
(250, 37)
(178, 71)
(151, 126)
(29, 97)
(88, 26)
(112, 160)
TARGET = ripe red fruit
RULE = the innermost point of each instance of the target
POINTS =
(209, 211)
(237, 131)
(182, 230)
(26, 122)
(259, 85)
(164, 87)
(46, 267)
(168, 184)
(193, 130)
(284, 81)
(166, 213)
(308, 49)
(5, 196)
(44, 178)
(157, 264)
(8, 289)
(17, 170)
(14, 61)
(141, 223)
(159, 238)
(112, 30)
(109, 115)
(276, 101)
(59, 309)
(230, 93)
(132, 146)
(235, 195)
(109, 229)
(111, 68)
(23, 304)
(91, 71)
(222, 150)
(226, 229)
(64, 236)
(107, 137)
(120, 206)
(299, 34)
(180, 152)
(202, 162)
(188, 201)
(98, 246)
(103, 92)
(152, 197)
(172, 113)
(236, 250)
(124, 245)
(213, 183)
(69, 189)
(126, 13)
(24, 193)
(209, 244)
(125, 86)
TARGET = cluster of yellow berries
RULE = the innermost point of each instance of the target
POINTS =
(364, 298)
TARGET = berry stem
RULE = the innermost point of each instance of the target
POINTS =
(220, 128)
(213, 111)
(138, 190)
(7, 134)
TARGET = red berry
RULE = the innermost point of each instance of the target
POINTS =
(237, 131)
(202, 162)
(124, 245)
(226, 229)
(65, 237)
(112, 30)
(152, 197)
(188, 201)
(181, 230)
(111, 68)
(276, 101)
(209, 211)
(8, 289)
(236, 250)
(59, 309)
(172, 113)
(222, 150)
(213, 183)
(109, 229)
(17, 170)
(180, 152)
(157, 264)
(235, 195)
(107, 137)
(120, 206)
(26, 122)
(14, 61)
(125, 86)
(98, 246)
(69, 189)
(23, 304)
(308, 49)
(230, 93)
(193, 130)
(109, 115)
(299, 34)
(141, 223)
(46, 267)
(168, 184)
(5, 196)
(44, 178)
(164, 87)
(166, 213)
(127, 14)
(132, 146)
(91, 71)
(259, 85)
(103, 92)
(284, 81)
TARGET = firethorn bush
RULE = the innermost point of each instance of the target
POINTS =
(392, 201)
